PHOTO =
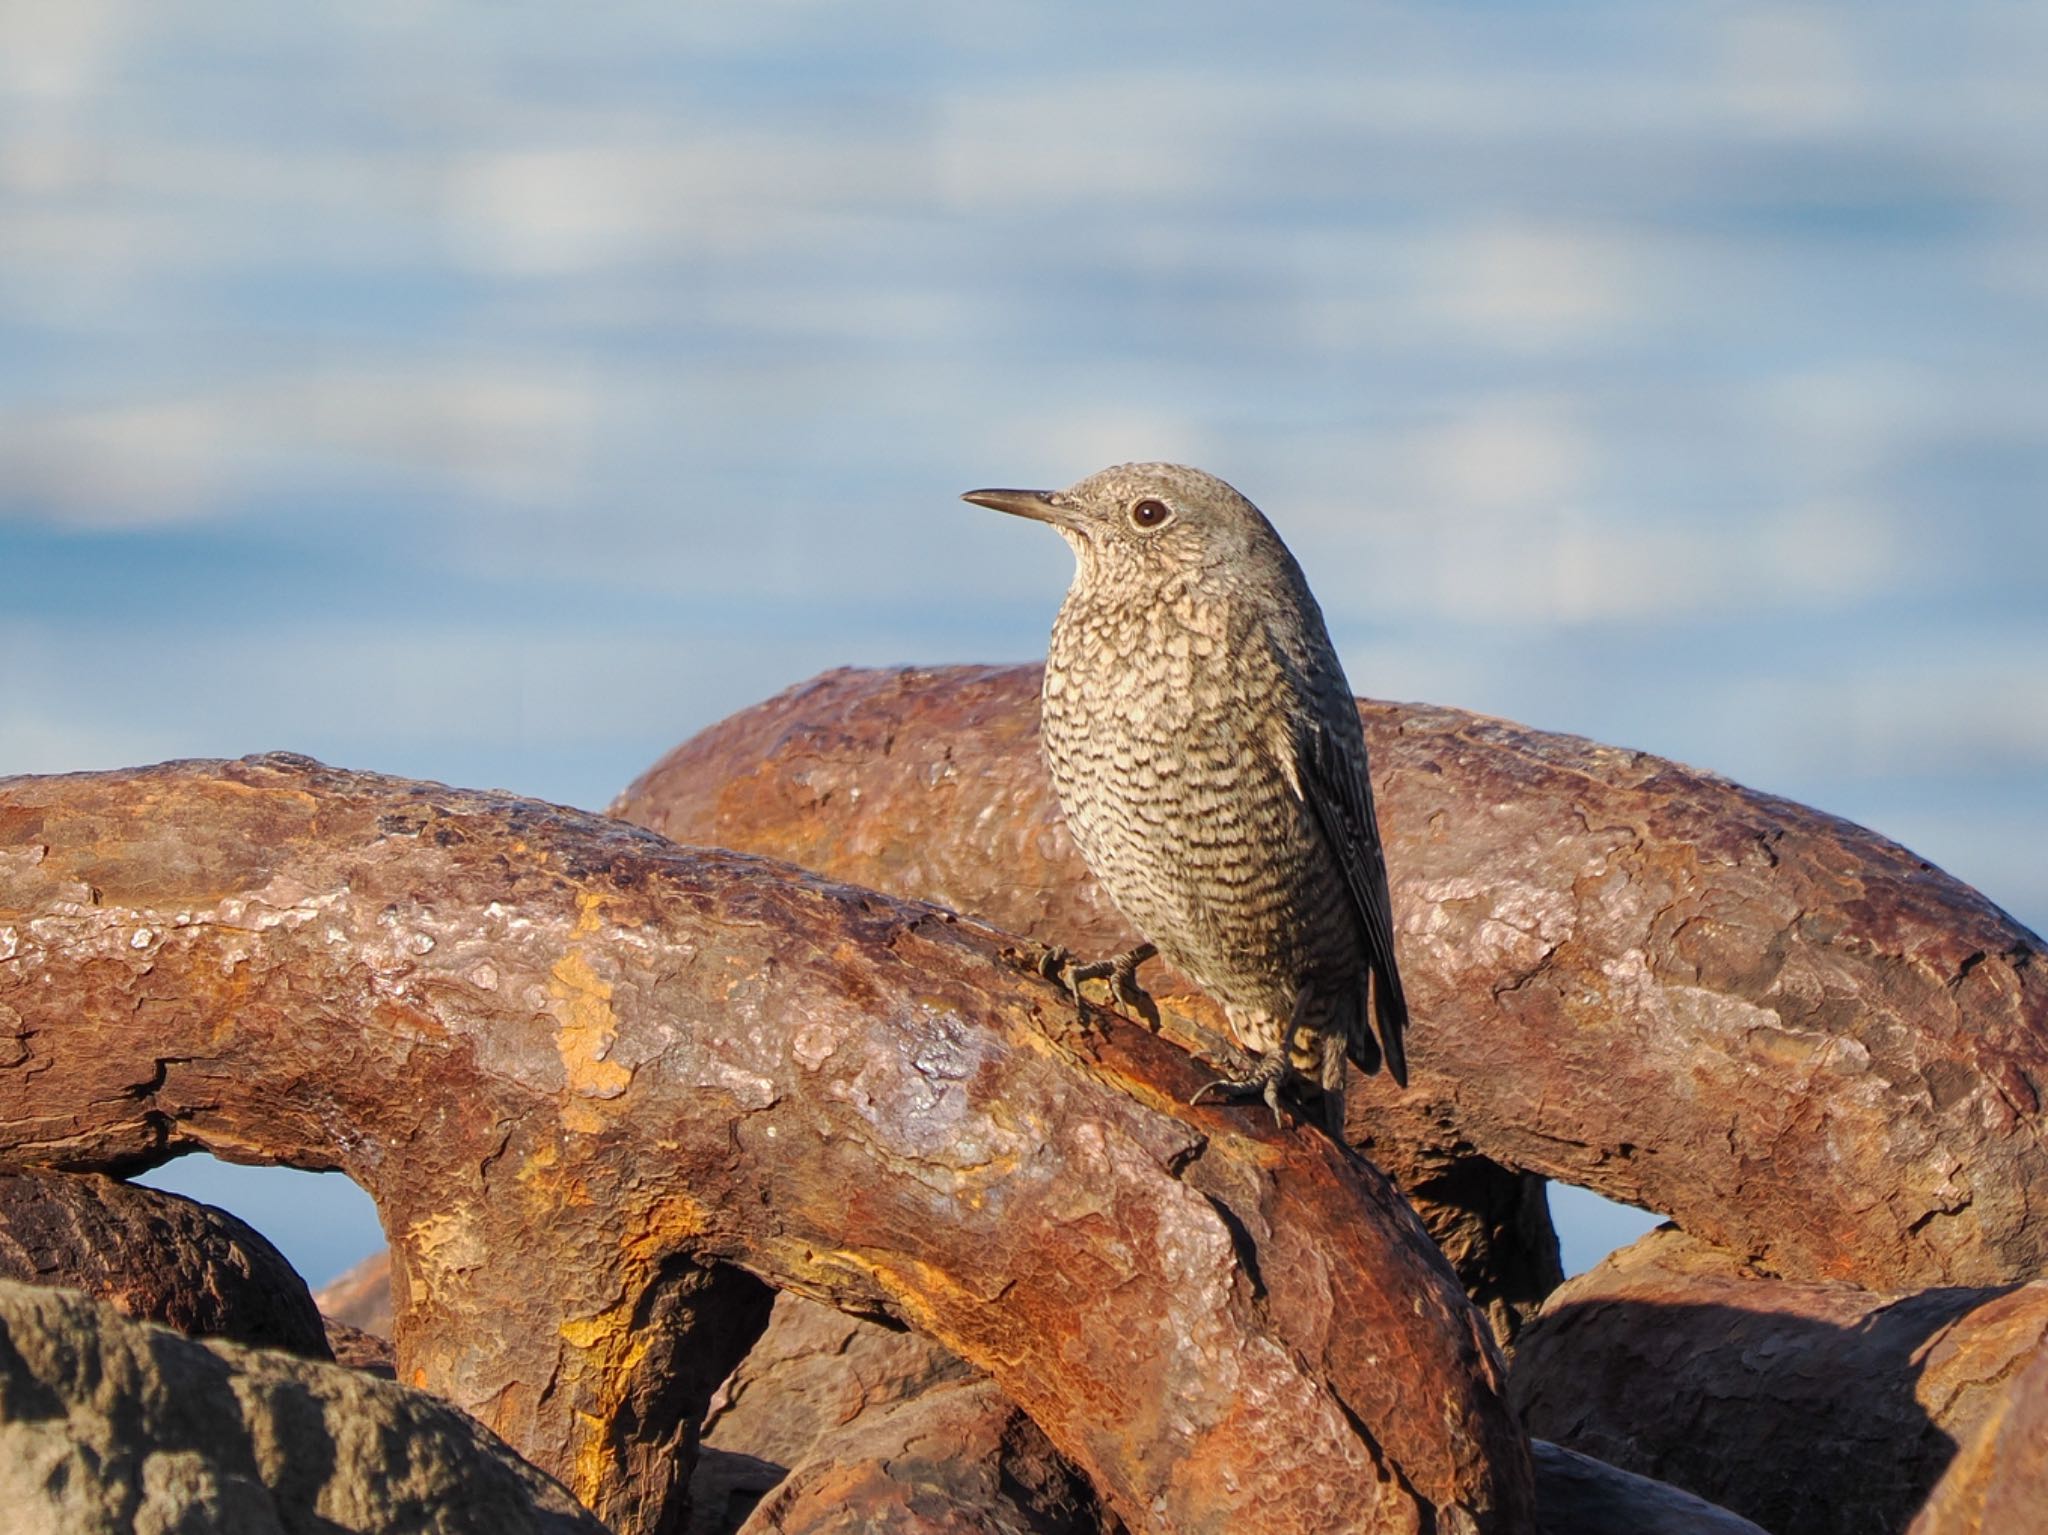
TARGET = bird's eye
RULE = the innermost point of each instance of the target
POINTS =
(1150, 513)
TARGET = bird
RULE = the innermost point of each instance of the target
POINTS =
(1206, 752)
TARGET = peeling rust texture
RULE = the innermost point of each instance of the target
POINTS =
(884, 1430)
(569, 1059)
(957, 1458)
(1815, 1407)
(1792, 1036)
(846, 1424)
(157, 1257)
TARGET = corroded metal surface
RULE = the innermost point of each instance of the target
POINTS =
(1789, 1034)
(878, 1429)
(929, 784)
(573, 1062)
(957, 1459)
(157, 1257)
(360, 1298)
(1812, 1407)
(1998, 1482)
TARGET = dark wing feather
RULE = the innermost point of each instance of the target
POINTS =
(1333, 777)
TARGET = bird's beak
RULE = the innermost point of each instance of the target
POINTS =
(1038, 505)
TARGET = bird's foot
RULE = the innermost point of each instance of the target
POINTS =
(1122, 975)
(1058, 965)
(1265, 1080)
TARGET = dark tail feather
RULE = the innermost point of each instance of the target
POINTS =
(1390, 1006)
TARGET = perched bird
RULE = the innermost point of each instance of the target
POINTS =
(1206, 750)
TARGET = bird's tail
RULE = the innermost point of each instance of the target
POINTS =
(1390, 1008)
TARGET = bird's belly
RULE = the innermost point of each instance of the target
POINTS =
(1203, 844)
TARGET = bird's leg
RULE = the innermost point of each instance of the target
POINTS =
(1275, 1068)
(1266, 1079)
(1122, 975)
(1057, 965)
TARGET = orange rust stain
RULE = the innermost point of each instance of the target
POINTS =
(586, 1025)
(924, 1294)
(591, 1468)
(395, 1017)
(549, 1186)
(442, 1248)
(581, 1117)
(611, 1344)
(230, 996)
(613, 1348)
(670, 1221)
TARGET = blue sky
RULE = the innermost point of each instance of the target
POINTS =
(495, 395)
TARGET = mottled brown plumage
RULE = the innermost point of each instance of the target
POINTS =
(1206, 750)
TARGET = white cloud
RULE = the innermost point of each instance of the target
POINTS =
(1790, 70)
(687, 190)
(1529, 284)
(1538, 510)
(1130, 139)
(128, 466)
(1536, 566)
(1515, 454)
(58, 53)
(1061, 442)
(514, 432)
(557, 210)
(1968, 712)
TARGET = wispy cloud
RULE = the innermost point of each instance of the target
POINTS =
(514, 433)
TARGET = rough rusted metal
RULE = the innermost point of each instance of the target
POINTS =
(157, 1257)
(878, 1429)
(1794, 1037)
(1998, 1482)
(845, 1424)
(361, 1298)
(958, 1459)
(930, 784)
(573, 1062)
(1811, 1407)
(369, 1352)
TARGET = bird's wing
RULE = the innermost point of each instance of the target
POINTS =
(1331, 768)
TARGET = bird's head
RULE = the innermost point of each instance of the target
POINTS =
(1139, 525)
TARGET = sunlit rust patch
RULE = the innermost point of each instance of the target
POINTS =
(548, 1185)
(401, 1019)
(506, 1409)
(440, 1247)
(923, 1294)
(230, 996)
(594, 1455)
(587, 1025)
(614, 1346)
(849, 966)
(535, 1167)
(670, 1221)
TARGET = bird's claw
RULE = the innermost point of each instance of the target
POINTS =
(1265, 1080)
(1122, 975)
(1057, 964)
(1054, 964)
